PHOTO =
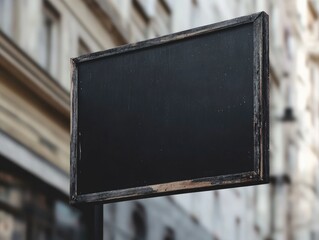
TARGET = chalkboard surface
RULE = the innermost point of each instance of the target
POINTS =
(181, 113)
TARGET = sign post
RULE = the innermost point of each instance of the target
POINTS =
(181, 113)
(93, 220)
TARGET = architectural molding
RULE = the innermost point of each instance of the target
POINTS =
(29, 73)
(29, 161)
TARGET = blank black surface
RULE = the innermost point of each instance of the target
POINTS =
(177, 111)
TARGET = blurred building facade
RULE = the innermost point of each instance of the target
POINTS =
(287, 208)
(37, 39)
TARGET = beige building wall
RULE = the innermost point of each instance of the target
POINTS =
(38, 38)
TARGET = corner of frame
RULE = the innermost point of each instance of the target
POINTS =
(73, 200)
(260, 16)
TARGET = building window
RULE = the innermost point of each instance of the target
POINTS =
(30, 209)
(139, 222)
(195, 14)
(11, 226)
(169, 234)
(49, 39)
(8, 17)
(110, 227)
(162, 19)
(312, 17)
(165, 12)
(83, 48)
(140, 22)
(238, 228)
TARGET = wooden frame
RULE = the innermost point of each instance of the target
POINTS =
(261, 119)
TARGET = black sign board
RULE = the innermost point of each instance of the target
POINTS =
(181, 113)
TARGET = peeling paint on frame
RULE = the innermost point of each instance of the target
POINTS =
(261, 119)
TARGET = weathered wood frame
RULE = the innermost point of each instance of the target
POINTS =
(261, 118)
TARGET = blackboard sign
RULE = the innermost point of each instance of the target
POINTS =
(180, 113)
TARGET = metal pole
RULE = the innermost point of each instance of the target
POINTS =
(93, 218)
(98, 222)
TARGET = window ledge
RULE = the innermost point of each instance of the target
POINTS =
(28, 72)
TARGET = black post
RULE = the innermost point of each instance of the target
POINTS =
(93, 218)
(98, 222)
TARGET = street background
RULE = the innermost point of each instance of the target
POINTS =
(37, 40)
